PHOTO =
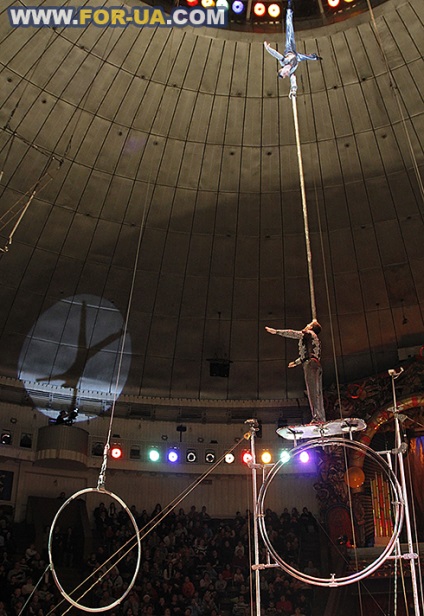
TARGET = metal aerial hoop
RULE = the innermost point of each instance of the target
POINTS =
(67, 596)
(328, 435)
(333, 580)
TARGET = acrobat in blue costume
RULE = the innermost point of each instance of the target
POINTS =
(290, 59)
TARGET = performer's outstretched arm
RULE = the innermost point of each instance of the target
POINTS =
(286, 333)
(272, 51)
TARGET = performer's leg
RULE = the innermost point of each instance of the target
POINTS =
(290, 42)
(313, 380)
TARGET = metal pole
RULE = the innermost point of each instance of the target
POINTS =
(304, 209)
(399, 452)
(254, 427)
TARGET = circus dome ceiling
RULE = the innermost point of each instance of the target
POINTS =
(152, 217)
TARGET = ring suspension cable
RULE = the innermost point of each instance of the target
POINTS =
(128, 546)
(102, 475)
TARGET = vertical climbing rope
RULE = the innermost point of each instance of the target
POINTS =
(304, 210)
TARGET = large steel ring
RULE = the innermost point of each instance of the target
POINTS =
(398, 507)
(103, 492)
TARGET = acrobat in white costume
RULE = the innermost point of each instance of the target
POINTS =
(291, 58)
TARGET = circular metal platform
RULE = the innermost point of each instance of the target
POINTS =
(329, 428)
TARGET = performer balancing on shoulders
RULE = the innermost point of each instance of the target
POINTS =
(309, 357)
(290, 59)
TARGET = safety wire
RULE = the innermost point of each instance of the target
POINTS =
(398, 555)
(102, 475)
(42, 576)
(312, 287)
(46, 175)
(129, 545)
(334, 353)
(40, 184)
(396, 95)
(414, 516)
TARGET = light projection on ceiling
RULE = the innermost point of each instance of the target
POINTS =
(74, 352)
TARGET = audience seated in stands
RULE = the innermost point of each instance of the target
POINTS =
(192, 565)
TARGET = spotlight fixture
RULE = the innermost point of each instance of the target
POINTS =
(266, 457)
(284, 456)
(274, 11)
(246, 457)
(259, 9)
(210, 456)
(191, 456)
(173, 455)
(238, 7)
(304, 457)
(153, 455)
(135, 452)
(116, 451)
(6, 438)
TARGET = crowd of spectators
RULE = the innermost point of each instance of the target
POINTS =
(19, 576)
(191, 565)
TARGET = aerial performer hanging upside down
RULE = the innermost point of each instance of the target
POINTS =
(310, 358)
(291, 58)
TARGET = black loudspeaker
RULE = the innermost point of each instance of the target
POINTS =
(219, 368)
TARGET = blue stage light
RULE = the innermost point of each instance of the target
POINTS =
(173, 456)
(304, 457)
(237, 7)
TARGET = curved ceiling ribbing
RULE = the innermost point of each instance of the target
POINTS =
(189, 133)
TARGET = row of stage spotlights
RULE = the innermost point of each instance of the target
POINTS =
(272, 10)
(174, 456)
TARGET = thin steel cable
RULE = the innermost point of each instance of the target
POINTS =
(346, 461)
(32, 193)
(414, 517)
(326, 284)
(33, 590)
(102, 474)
